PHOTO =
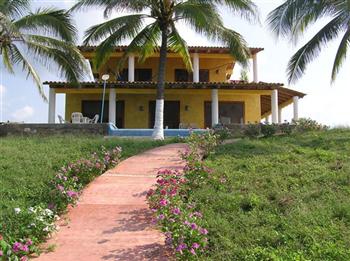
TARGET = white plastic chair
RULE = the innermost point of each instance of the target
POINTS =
(95, 119)
(77, 117)
(62, 121)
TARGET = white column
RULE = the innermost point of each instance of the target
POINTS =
(295, 108)
(274, 106)
(131, 68)
(52, 105)
(267, 119)
(255, 68)
(195, 67)
(112, 106)
(214, 107)
(280, 115)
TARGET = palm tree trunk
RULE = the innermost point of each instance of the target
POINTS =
(158, 133)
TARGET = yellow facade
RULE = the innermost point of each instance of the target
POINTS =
(192, 100)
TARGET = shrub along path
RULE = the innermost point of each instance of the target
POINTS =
(112, 220)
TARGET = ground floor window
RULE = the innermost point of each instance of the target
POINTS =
(171, 114)
(91, 108)
(229, 113)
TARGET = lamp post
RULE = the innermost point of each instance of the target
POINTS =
(105, 78)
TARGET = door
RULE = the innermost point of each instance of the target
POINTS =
(171, 114)
(229, 113)
(91, 108)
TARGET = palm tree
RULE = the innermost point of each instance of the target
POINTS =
(45, 36)
(154, 23)
(294, 17)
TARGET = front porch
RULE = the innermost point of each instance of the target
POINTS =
(131, 105)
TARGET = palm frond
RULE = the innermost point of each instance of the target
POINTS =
(101, 31)
(341, 54)
(178, 45)
(6, 57)
(49, 21)
(299, 61)
(144, 44)
(128, 30)
(18, 59)
(293, 16)
(63, 58)
(110, 5)
(14, 8)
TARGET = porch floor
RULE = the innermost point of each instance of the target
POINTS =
(114, 131)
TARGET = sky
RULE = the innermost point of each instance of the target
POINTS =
(325, 102)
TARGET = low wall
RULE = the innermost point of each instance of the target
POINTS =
(53, 129)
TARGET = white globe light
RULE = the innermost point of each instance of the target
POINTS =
(105, 77)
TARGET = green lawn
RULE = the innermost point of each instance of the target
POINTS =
(281, 198)
(28, 164)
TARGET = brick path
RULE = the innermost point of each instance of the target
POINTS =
(112, 220)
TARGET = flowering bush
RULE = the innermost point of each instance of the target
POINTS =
(177, 216)
(174, 208)
(36, 223)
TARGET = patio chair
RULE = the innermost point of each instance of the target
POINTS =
(95, 119)
(77, 117)
(62, 121)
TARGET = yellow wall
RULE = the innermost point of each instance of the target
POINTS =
(134, 118)
(219, 66)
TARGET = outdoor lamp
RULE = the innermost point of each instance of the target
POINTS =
(105, 78)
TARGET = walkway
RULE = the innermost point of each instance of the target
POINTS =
(112, 220)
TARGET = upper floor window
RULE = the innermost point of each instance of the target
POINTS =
(141, 75)
(182, 75)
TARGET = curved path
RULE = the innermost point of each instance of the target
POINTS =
(112, 220)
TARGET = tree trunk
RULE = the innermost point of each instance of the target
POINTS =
(158, 133)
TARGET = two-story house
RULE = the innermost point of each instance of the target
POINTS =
(198, 99)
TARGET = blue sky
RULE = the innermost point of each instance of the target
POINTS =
(324, 102)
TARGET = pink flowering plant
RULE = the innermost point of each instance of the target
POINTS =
(17, 242)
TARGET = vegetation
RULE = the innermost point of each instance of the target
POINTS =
(45, 36)
(48, 173)
(162, 17)
(278, 198)
(294, 17)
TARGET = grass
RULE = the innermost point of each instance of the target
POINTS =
(28, 164)
(281, 198)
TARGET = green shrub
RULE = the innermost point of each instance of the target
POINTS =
(307, 124)
(252, 131)
(268, 130)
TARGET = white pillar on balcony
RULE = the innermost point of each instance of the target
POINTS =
(274, 106)
(295, 108)
(131, 68)
(52, 105)
(195, 67)
(112, 106)
(255, 68)
(280, 115)
(214, 107)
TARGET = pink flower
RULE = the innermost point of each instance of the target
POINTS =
(24, 258)
(1, 253)
(192, 251)
(176, 211)
(161, 217)
(29, 242)
(163, 202)
(72, 194)
(195, 245)
(25, 248)
(203, 231)
(60, 187)
(163, 192)
(17, 246)
(194, 226)
(150, 192)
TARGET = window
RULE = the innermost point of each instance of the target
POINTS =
(123, 75)
(182, 75)
(143, 75)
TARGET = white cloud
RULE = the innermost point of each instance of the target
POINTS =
(2, 89)
(23, 114)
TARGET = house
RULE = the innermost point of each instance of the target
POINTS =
(198, 99)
